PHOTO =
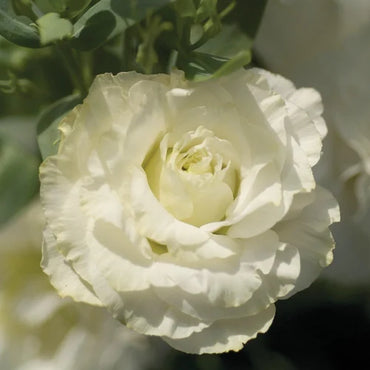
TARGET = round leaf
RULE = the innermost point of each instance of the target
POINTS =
(17, 29)
(52, 28)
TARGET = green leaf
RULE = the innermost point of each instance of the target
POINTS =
(68, 8)
(238, 61)
(108, 18)
(230, 48)
(52, 28)
(206, 66)
(206, 9)
(203, 64)
(18, 178)
(48, 135)
(49, 6)
(229, 42)
(23, 7)
(17, 29)
(147, 56)
(185, 8)
(75, 7)
(238, 30)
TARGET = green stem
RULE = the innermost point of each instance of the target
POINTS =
(73, 67)
(227, 10)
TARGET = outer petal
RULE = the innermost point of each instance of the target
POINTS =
(146, 314)
(304, 111)
(309, 233)
(61, 274)
(223, 286)
(218, 290)
(75, 218)
(226, 335)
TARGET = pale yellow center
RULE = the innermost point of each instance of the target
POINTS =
(194, 176)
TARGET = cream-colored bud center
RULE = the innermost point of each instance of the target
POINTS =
(194, 176)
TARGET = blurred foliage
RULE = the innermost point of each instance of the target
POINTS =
(18, 177)
(16, 28)
(46, 76)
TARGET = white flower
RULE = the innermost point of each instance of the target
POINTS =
(187, 209)
(41, 331)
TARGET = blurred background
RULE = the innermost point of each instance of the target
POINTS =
(323, 44)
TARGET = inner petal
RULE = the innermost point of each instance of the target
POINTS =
(194, 178)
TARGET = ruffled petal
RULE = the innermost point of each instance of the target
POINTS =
(309, 234)
(304, 108)
(217, 291)
(225, 335)
(145, 313)
(61, 274)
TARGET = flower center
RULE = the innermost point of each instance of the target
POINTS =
(196, 162)
(194, 176)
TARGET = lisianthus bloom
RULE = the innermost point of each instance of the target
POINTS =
(41, 331)
(188, 208)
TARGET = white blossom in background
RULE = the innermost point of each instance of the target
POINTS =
(326, 43)
(41, 331)
(188, 208)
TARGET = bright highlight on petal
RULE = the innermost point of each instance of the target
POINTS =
(188, 208)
